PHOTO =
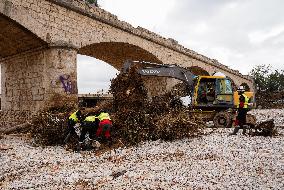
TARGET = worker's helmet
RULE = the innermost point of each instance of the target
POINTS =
(241, 89)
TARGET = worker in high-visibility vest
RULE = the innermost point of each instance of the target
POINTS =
(105, 126)
(89, 125)
(74, 119)
(242, 111)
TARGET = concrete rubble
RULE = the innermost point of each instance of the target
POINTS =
(213, 161)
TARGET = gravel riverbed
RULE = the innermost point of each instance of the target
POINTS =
(213, 161)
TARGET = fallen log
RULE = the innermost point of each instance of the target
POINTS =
(21, 128)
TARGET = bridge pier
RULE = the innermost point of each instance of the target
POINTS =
(37, 80)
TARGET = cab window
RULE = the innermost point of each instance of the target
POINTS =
(224, 86)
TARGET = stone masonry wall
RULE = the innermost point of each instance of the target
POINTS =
(21, 88)
(60, 76)
(22, 82)
(34, 81)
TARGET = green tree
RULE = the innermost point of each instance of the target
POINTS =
(260, 75)
(274, 82)
(266, 79)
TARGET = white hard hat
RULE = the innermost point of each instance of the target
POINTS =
(219, 74)
(241, 89)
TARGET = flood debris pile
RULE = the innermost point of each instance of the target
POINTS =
(178, 124)
(180, 89)
(128, 92)
(136, 118)
(49, 127)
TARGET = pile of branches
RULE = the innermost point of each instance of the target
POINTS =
(137, 118)
(49, 127)
(128, 92)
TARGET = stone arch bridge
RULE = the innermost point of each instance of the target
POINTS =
(40, 40)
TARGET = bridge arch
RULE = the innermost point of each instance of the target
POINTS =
(16, 39)
(116, 53)
(198, 71)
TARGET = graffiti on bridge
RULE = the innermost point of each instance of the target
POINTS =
(69, 86)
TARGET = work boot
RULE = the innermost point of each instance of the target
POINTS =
(108, 143)
(236, 129)
(244, 130)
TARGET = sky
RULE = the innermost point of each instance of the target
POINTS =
(238, 33)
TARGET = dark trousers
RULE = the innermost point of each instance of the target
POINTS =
(241, 118)
(70, 130)
(71, 123)
(88, 127)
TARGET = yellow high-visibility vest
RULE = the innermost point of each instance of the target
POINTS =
(103, 116)
(245, 103)
(91, 118)
(74, 116)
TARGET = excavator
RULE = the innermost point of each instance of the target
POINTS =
(212, 97)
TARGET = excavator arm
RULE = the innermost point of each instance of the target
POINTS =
(162, 70)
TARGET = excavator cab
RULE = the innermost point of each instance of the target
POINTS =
(213, 92)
